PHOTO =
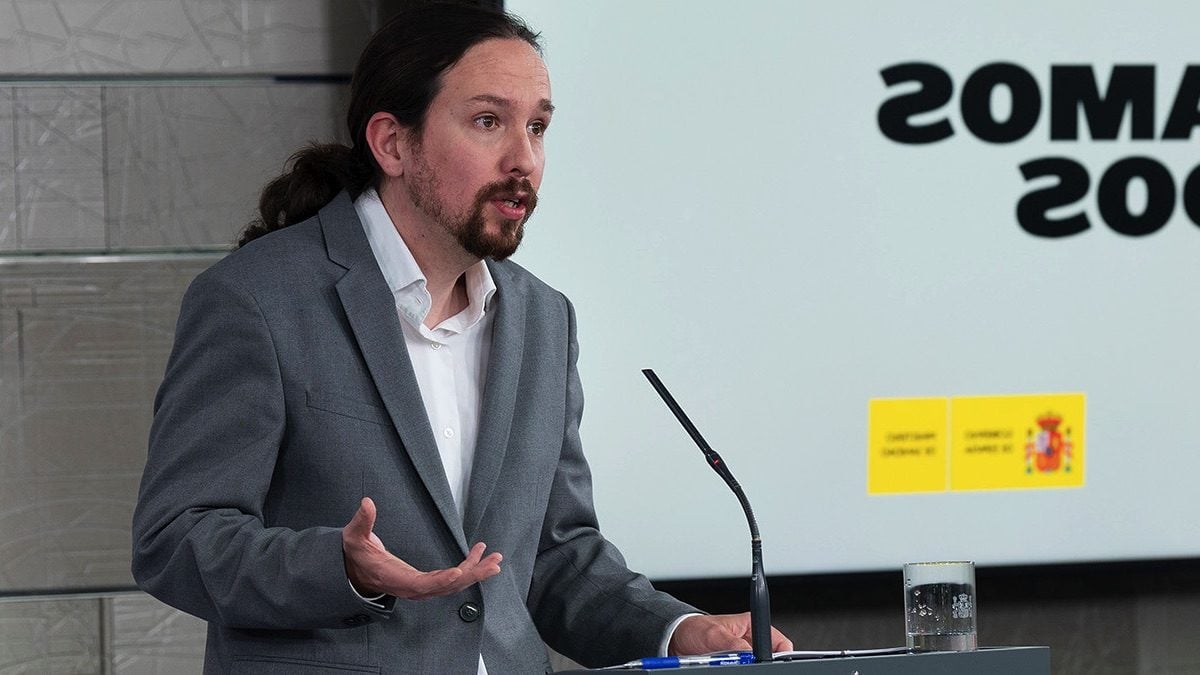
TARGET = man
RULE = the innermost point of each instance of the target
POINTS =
(366, 389)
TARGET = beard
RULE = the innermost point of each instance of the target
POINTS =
(470, 229)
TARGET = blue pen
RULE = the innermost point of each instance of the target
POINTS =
(664, 662)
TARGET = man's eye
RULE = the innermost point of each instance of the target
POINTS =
(487, 121)
(537, 128)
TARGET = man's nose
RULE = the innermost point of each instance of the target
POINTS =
(522, 158)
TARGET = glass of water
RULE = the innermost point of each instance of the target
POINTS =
(939, 606)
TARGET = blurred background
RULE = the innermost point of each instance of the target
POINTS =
(134, 138)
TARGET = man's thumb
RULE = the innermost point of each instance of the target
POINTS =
(364, 519)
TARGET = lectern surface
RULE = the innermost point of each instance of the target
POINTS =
(987, 661)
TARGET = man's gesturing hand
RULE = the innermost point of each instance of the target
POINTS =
(373, 570)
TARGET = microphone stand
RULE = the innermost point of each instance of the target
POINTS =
(760, 599)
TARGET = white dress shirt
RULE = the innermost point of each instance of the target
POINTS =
(450, 359)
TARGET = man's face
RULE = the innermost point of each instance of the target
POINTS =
(478, 162)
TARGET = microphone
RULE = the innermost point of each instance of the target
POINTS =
(760, 599)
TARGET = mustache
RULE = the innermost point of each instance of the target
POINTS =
(519, 189)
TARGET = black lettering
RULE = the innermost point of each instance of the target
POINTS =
(1191, 195)
(976, 103)
(1072, 186)
(1129, 88)
(1185, 113)
(1112, 196)
(895, 113)
(989, 433)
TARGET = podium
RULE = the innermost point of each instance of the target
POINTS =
(985, 661)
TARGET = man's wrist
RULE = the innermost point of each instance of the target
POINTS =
(670, 633)
(374, 600)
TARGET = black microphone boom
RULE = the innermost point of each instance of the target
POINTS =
(760, 599)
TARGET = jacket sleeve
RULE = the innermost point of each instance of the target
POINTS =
(586, 602)
(199, 540)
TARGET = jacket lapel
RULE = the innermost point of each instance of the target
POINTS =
(499, 396)
(371, 311)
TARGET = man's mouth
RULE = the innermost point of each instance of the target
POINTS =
(513, 199)
(512, 208)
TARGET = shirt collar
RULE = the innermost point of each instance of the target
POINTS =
(405, 278)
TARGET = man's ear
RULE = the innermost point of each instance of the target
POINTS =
(387, 139)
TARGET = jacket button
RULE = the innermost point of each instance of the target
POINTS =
(356, 620)
(469, 611)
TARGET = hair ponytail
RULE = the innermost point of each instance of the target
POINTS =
(316, 175)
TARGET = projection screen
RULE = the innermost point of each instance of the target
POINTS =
(923, 273)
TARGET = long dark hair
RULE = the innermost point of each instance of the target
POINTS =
(399, 72)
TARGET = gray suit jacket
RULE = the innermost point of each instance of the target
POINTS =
(289, 396)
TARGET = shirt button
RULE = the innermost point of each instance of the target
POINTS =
(436, 345)
(469, 611)
(448, 432)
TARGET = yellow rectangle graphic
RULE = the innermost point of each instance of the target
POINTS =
(1005, 442)
(906, 445)
(975, 443)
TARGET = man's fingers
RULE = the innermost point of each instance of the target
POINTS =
(703, 633)
(739, 645)
(779, 642)
(405, 582)
(475, 567)
(432, 584)
(473, 556)
(451, 580)
(370, 567)
(488, 567)
(363, 522)
(476, 559)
